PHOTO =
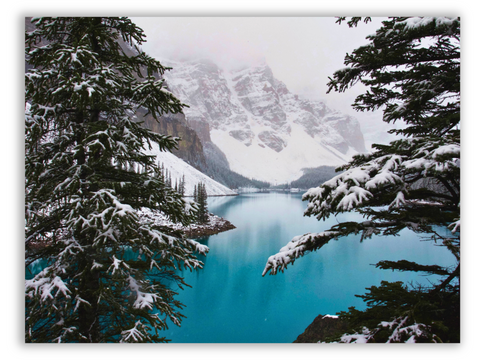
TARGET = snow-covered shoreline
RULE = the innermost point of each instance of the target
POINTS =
(215, 224)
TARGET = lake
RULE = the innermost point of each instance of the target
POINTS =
(230, 301)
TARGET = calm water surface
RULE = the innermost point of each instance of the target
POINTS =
(230, 301)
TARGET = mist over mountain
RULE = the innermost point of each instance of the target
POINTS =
(250, 120)
(243, 127)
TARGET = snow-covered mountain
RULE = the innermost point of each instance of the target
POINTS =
(177, 168)
(266, 132)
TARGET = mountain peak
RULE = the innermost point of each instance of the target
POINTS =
(265, 131)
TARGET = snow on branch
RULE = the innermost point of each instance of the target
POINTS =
(133, 334)
(296, 248)
(455, 226)
(357, 338)
(400, 332)
(302, 244)
(383, 177)
(399, 200)
(143, 299)
(355, 196)
(44, 285)
(109, 211)
(64, 333)
(436, 158)
(416, 22)
(116, 265)
(79, 301)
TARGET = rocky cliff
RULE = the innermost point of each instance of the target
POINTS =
(190, 147)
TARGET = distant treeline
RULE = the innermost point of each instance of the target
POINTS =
(312, 177)
(231, 179)
(219, 170)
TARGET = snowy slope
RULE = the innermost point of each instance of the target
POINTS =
(268, 165)
(266, 132)
(177, 168)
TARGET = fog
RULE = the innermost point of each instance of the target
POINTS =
(301, 51)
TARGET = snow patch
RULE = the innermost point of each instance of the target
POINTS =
(177, 168)
(265, 164)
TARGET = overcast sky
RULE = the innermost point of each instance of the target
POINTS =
(301, 51)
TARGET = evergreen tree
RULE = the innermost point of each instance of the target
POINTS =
(161, 172)
(203, 208)
(106, 270)
(200, 198)
(411, 67)
(167, 178)
(181, 187)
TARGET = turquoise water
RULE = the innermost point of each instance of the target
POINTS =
(230, 301)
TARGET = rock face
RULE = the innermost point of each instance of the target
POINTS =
(190, 147)
(214, 225)
(322, 327)
(265, 132)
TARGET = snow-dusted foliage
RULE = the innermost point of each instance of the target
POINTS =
(400, 333)
(108, 273)
(412, 69)
(296, 248)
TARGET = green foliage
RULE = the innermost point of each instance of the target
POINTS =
(412, 69)
(353, 22)
(414, 305)
(107, 272)
(181, 186)
(200, 197)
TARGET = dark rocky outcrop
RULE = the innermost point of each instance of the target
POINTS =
(212, 228)
(273, 141)
(190, 148)
(244, 136)
(202, 128)
(321, 328)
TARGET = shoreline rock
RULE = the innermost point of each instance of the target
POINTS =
(215, 225)
(322, 327)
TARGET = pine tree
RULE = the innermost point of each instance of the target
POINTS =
(161, 173)
(106, 270)
(167, 178)
(204, 205)
(200, 197)
(412, 70)
(181, 189)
